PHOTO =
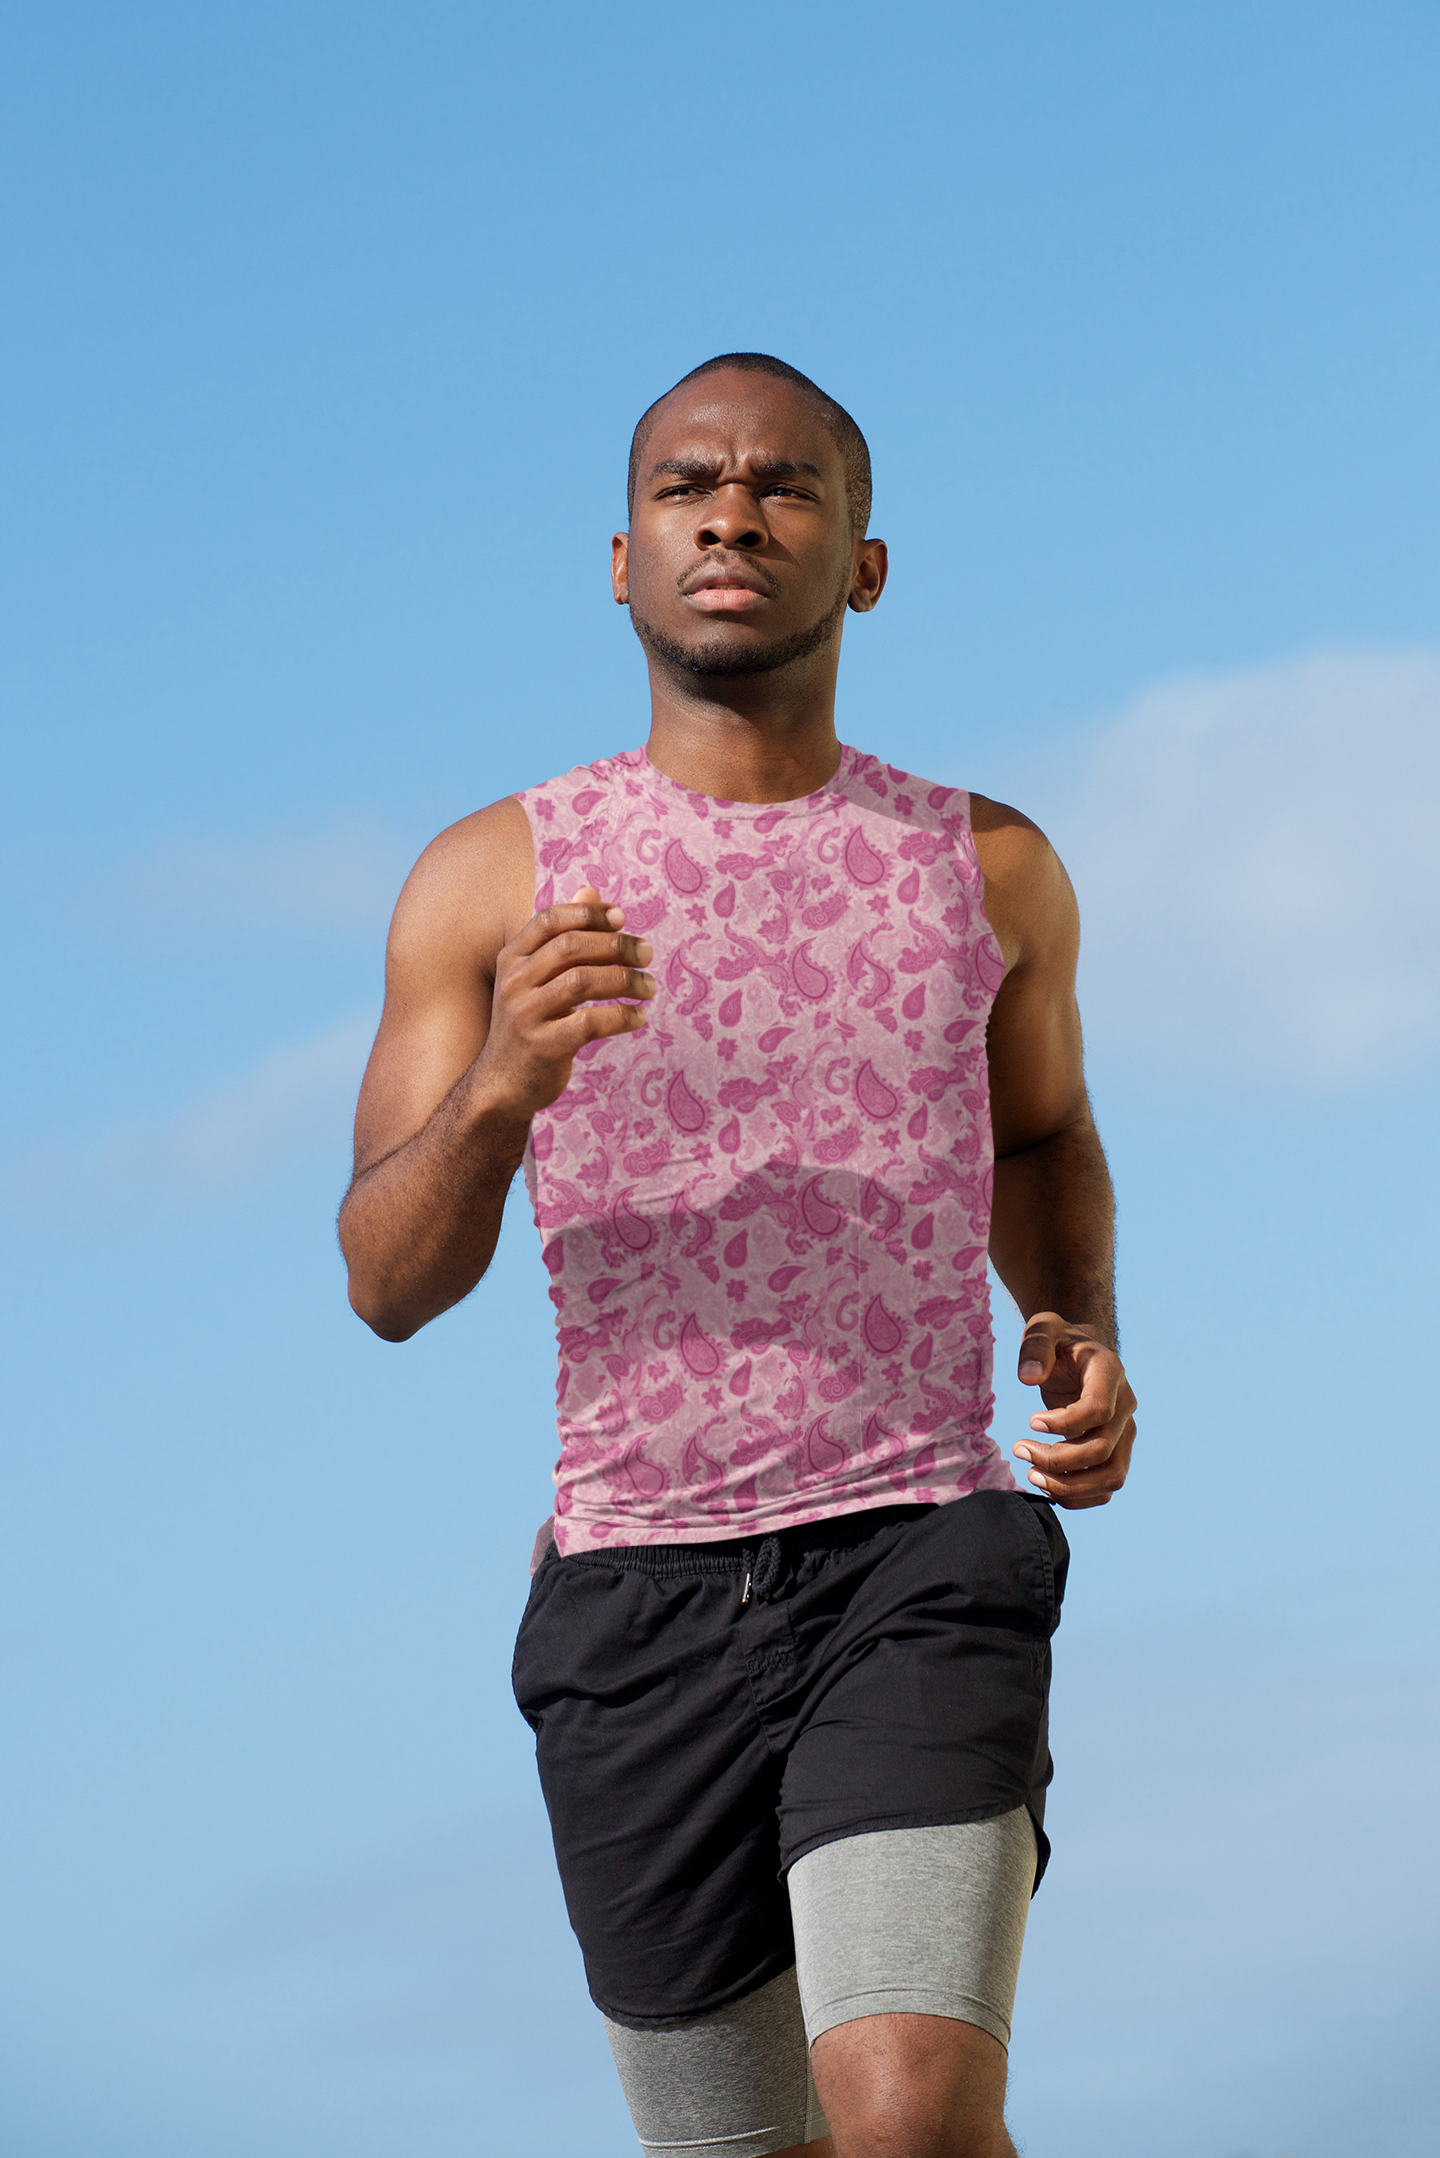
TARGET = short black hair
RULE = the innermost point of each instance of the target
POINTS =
(843, 432)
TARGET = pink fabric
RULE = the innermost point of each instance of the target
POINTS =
(765, 1218)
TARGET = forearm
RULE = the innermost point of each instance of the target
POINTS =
(419, 1227)
(1052, 1229)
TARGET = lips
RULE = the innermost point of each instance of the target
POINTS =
(725, 588)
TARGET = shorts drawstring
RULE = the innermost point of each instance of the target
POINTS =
(762, 1569)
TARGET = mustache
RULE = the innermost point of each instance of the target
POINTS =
(729, 561)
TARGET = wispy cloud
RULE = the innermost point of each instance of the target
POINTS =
(240, 1135)
(1258, 871)
(341, 881)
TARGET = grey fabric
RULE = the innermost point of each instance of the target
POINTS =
(915, 1921)
(735, 2084)
(920, 1921)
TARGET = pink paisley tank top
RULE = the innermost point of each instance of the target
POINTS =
(765, 1218)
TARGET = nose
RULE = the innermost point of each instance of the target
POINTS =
(732, 519)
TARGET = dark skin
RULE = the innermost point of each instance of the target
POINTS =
(739, 567)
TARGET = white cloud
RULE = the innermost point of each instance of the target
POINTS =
(241, 1135)
(1259, 876)
(295, 1098)
(343, 880)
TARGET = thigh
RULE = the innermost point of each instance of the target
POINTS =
(923, 1688)
(914, 1921)
(661, 1788)
(735, 2084)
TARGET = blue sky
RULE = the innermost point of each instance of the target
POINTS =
(325, 329)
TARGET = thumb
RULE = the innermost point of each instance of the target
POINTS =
(1037, 1348)
(586, 893)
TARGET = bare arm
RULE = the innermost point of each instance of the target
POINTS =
(1052, 1230)
(484, 1012)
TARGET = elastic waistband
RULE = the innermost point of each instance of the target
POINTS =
(737, 1554)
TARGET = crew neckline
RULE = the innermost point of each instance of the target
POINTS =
(799, 805)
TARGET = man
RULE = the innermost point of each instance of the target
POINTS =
(765, 1019)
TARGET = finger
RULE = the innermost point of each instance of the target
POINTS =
(584, 948)
(1088, 1487)
(567, 991)
(1096, 1489)
(1097, 1430)
(1037, 1347)
(1094, 1416)
(1073, 1455)
(640, 953)
(593, 1023)
(554, 921)
(1104, 1394)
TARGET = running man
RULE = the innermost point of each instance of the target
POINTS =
(785, 1041)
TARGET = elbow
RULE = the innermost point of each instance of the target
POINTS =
(372, 1297)
(383, 1318)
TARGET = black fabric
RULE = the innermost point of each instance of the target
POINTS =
(706, 1714)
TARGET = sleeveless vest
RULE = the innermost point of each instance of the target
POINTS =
(765, 1217)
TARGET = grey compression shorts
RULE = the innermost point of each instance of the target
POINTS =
(919, 1921)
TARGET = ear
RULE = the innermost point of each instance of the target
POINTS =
(620, 568)
(872, 565)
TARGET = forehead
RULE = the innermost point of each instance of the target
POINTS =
(742, 416)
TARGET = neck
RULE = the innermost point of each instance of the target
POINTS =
(745, 738)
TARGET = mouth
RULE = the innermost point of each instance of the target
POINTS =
(726, 588)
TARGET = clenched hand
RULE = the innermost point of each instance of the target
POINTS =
(551, 983)
(1089, 1407)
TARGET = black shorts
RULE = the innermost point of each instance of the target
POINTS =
(705, 1714)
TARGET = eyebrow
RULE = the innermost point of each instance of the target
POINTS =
(763, 468)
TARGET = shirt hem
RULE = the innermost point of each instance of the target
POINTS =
(573, 1537)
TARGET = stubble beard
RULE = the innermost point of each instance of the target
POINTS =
(714, 657)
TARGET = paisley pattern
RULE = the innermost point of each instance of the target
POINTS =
(765, 1218)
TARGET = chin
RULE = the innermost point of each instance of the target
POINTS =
(733, 651)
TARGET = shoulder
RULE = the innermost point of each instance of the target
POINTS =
(1007, 841)
(1028, 897)
(470, 891)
